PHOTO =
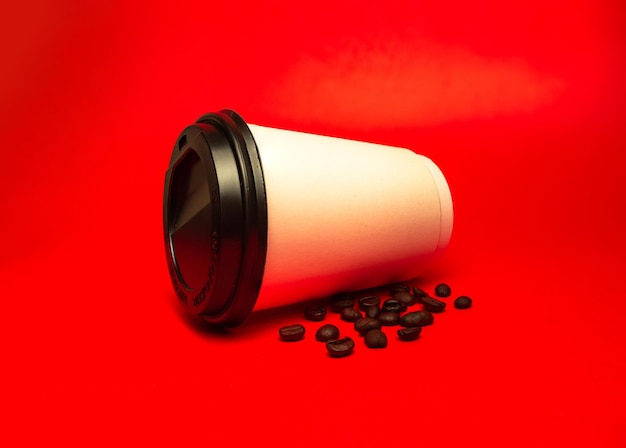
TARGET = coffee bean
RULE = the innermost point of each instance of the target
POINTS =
(462, 302)
(315, 313)
(372, 312)
(409, 334)
(342, 295)
(388, 318)
(399, 288)
(291, 332)
(340, 347)
(376, 339)
(406, 298)
(393, 305)
(351, 315)
(442, 290)
(327, 332)
(433, 305)
(367, 302)
(417, 319)
(419, 293)
(362, 326)
(341, 301)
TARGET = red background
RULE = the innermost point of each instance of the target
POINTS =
(519, 103)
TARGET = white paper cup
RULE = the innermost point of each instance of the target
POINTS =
(256, 217)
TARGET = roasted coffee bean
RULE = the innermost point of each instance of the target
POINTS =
(409, 334)
(341, 301)
(367, 302)
(340, 347)
(373, 312)
(327, 332)
(315, 313)
(393, 305)
(433, 305)
(419, 293)
(341, 295)
(417, 319)
(362, 326)
(291, 332)
(462, 302)
(351, 315)
(376, 339)
(399, 288)
(406, 298)
(442, 290)
(388, 318)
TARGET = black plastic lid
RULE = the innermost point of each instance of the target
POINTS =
(215, 218)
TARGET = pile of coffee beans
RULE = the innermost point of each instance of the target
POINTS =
(370, 315)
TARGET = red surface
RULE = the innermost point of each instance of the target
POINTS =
(519, 103)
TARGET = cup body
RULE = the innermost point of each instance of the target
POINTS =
(346, 215)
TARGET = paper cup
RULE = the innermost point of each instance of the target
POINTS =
(256, 217)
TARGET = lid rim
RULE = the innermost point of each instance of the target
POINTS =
(234, 281)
